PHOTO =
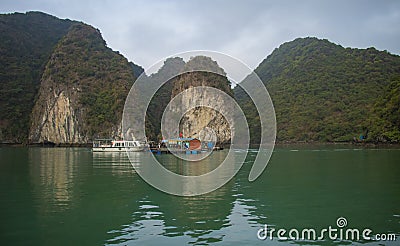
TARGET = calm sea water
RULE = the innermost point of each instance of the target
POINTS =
(71, 196)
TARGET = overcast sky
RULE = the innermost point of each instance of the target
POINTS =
(148, 31)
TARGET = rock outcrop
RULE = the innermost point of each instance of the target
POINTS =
(82, 90)
(27, 41)
(202, 122)
(59, 123)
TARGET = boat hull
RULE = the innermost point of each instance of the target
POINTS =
(117, 149)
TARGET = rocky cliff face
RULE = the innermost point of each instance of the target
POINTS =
(82, 90)
(161, 98)
(26, 43)
(58, 122)
(203, 122)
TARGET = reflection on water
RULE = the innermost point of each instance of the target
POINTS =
(192, 219)
(309, 188)
(72, 196)
(189, 178)
(188, 219)
(190, 168)
(118, 162)
(52, 172)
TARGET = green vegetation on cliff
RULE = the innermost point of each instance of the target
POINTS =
(42, 57)
(384, 124)
(324, 92)
(162, 97)
(26, 43)
(95, 79)
(320, 90)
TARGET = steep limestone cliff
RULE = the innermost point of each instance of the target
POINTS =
(26, 43)
(203, 122)
(59, 123)
(161, 98)
(82, 90)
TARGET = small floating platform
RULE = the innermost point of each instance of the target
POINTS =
(184, 146)
(164, 150)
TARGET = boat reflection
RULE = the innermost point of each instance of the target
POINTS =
(118, 162)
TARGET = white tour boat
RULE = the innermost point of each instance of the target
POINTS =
(111, 145)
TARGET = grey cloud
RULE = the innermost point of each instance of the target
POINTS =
(147, 31)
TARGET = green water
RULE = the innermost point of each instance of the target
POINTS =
(71, 196)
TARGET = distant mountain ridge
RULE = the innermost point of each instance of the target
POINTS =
(59, 82)
(324, 92)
